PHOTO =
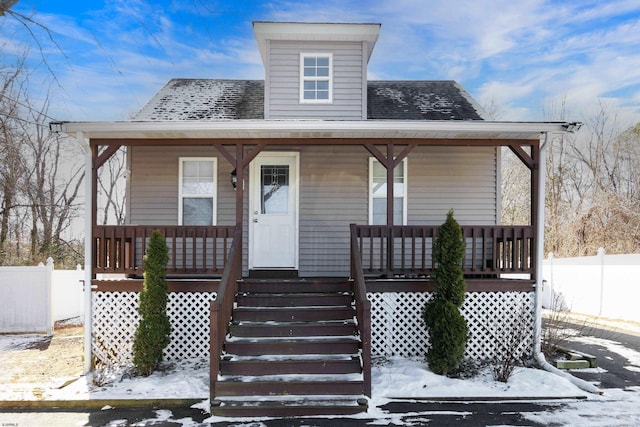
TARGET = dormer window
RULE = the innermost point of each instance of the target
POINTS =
(316, 85)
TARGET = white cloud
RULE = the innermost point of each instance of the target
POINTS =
(519, 54)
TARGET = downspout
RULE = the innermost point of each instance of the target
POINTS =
(539, 358)
(88, 230)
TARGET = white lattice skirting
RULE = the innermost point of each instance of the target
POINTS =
(115, 320)
(494, 318)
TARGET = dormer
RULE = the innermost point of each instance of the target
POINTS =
(315, 71)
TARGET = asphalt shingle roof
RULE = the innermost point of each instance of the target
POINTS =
(209, 99)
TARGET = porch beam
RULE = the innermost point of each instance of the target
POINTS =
(106, 155)
(225, 154)
(182, 142)
(252, 154)
(404, 153)
(523, 156)
(376, 153)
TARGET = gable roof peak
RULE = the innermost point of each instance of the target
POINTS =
(315, 31)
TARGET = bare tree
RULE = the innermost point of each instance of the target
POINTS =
(112, 188)
(11, 159)
(53, 184)
(31, 25)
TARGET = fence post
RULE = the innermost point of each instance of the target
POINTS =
(552, 284)
(601, 261)
(49, 286)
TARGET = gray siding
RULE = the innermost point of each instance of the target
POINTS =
(282, 90)
(154, 181)
(333, 193)
(458, 178)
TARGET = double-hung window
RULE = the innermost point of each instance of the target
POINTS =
(197, 191)
(316, 77)
(378, 193)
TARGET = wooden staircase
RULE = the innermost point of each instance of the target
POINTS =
(293, 350)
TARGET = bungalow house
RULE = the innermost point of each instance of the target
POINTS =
(292, 259)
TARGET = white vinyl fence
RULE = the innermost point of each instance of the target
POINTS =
(600, 285)
(32, 299)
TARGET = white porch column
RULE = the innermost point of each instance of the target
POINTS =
(88, 230)
(542, 174)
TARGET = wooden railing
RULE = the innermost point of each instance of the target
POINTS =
(408, 250)
(363, 309)
(192, 249)
(222, 308)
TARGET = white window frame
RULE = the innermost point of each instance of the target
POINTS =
(304, 78)
(182, 195)
(405, 164)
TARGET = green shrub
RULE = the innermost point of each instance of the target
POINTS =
(152, 335)
(448, 330)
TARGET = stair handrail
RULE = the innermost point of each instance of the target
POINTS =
(363, 308)
(222, 307)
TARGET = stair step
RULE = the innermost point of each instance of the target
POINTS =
(283, 314)
(293, 329)
(294, 299)
(287, 385)
(260, 366)
(263, 346)
(294, 286)
(292, 350)
(265, 406)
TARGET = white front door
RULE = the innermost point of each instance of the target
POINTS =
(273, 211)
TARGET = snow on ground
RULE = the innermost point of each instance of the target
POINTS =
(394, 378)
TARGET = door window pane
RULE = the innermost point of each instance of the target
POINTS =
(274, 183)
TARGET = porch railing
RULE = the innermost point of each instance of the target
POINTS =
(408, 250)
(222, 307)
(192, 249)
(363, 310)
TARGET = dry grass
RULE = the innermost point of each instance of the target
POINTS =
(43, 359)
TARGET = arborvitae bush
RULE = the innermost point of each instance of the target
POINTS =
(448, 330)
(152, 335)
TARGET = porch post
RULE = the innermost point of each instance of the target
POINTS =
(390, 168)
(240, 197)
(538, 171)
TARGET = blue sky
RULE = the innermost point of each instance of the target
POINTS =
(527, 57)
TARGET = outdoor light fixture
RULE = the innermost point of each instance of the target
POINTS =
(234, 179)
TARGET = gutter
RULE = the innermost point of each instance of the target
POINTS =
(538, 357)
(301, 129)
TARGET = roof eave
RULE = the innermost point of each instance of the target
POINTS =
(256, 129)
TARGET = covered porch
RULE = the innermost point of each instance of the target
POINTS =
(389, 265)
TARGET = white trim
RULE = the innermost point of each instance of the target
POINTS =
(542, 182)
(88, 250)
(214, 195)
(303, 78)
(300, 129)
(405, 196)
(311, 31)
